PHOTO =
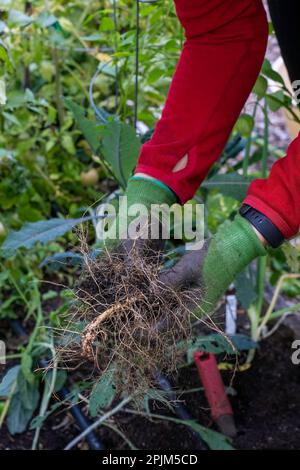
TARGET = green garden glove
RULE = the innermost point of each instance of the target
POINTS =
(216, 265)
(144, 191)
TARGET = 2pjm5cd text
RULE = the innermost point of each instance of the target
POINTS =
(150, 459)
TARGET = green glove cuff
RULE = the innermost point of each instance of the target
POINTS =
(141, 191)
(149, 191)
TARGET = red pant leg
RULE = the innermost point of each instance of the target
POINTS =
(278, 196)
(221, 58)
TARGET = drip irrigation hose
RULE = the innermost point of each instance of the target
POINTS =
(179, 408)
(83, 423)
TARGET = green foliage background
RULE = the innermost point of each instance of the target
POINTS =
(59, 156)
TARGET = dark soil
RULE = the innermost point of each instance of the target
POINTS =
(267, 405)
(266, 408)
(51, 437)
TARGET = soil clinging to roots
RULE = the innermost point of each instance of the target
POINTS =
(131, 320)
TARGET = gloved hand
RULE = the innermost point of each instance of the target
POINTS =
(213, 268)
(141, 192)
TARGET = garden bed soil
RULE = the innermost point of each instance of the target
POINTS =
(266, 408)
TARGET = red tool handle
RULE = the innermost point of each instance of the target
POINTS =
(213, 385)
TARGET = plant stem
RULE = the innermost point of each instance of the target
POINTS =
(7, 403)
(266, 142)
(10, 357)
(58, 88)
(255, 311)
(261, 273)
(12, 279)
(121, 434)
(249, 144)
(268, 314)
(97, 423)
(79, 82)
(48, 390)
(285, 311)
(262, 261)
(38, 323)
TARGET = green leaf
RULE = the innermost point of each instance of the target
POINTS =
(90, 129)
(278, 100)
(218, 344)
(243, 342)
(18, 99)
(155, 74)
(270, 73)
(26, 366)
(245, 125)
(92, 37)
(27, 213)
(260, 87)
(107, 24)
(103, 116)
(46, 19)
(18, 416)
(68, 144)
(120, 148)
(292, 255)
(245, 289)
(214, 343)
(42, 231)
(2, 26)
(18, 17)
(38, 421)
(4, 56)
(213, 439)
(103, 393)
(61, 260)
(60, 380)
(230, 184)
(22, 405)
(11, 118)
(8, 381)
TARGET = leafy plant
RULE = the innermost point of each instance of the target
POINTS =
(70, 107)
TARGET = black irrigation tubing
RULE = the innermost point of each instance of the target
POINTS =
(83, 423)
(179, 408)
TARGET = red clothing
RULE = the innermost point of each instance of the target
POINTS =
(219, 64)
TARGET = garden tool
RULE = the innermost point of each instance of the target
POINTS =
(211, 379)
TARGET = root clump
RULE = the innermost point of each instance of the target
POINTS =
(130, 319)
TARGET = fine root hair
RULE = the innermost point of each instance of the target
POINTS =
(126, 318)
